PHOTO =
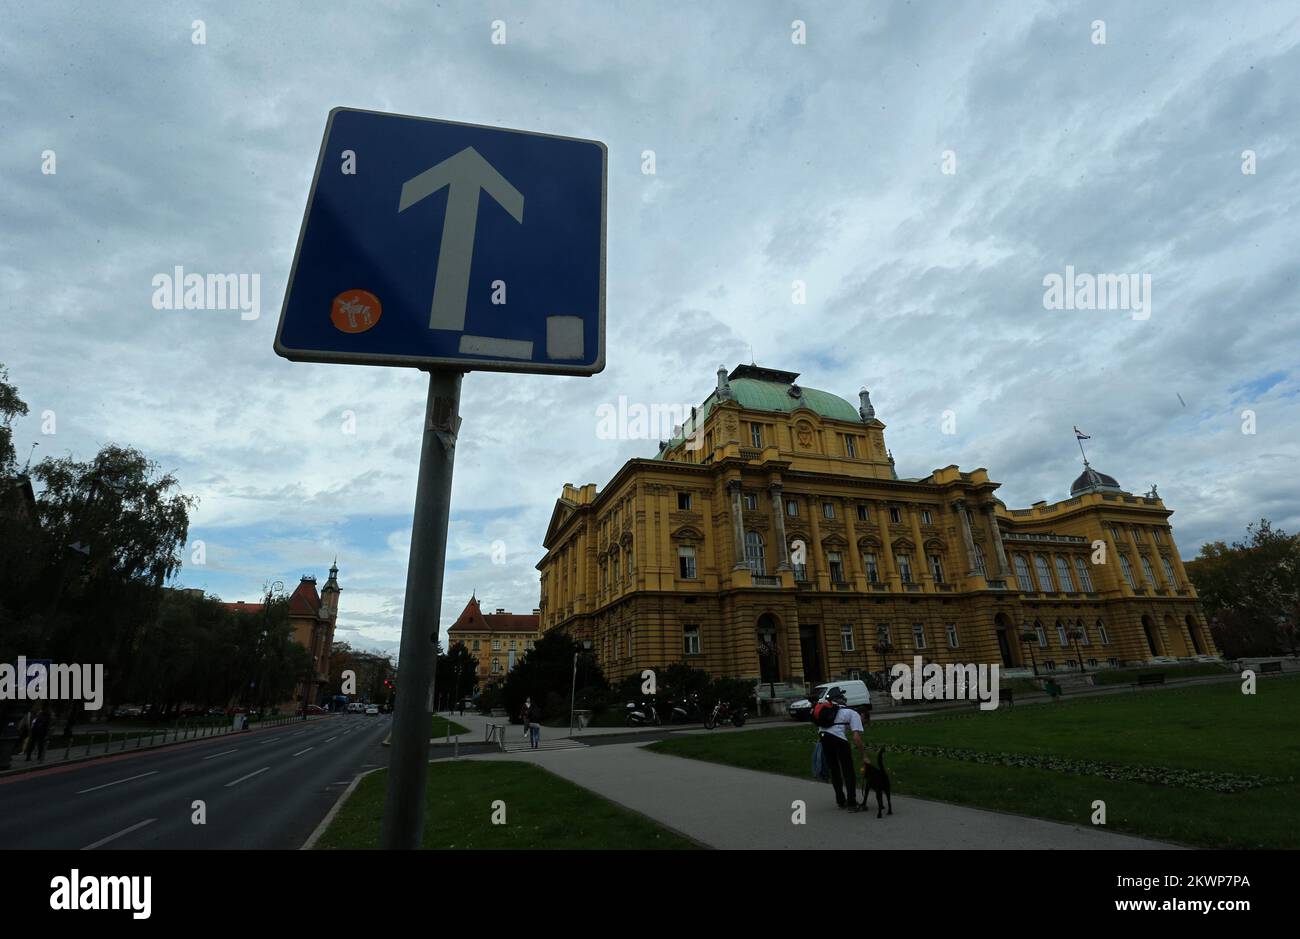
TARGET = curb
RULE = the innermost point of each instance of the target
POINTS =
(310, 843)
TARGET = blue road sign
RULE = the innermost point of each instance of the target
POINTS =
(433, 243)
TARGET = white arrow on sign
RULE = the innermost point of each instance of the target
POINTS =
(464, 174)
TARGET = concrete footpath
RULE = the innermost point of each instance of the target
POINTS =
(728, 807)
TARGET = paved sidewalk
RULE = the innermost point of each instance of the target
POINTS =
(728, 807)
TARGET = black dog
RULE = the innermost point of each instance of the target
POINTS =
(875, 778)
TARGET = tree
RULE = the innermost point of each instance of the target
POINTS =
(454, 673)
(548, 668)
(1251, 591)
(11, 406)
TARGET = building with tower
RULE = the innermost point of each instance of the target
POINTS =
(772, 538)
(498, 641)
(313, 617)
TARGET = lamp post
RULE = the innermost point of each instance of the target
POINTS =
(573, 688)
(1029, 638)
(1075, 634)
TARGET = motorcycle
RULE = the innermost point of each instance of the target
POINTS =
(684, 712)
(644, 713)
(723, 711)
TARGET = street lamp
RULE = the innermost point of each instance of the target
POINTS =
(1029, 638)
(573, 689)
(1075, 634)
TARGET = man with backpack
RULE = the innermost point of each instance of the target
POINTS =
(834, 719)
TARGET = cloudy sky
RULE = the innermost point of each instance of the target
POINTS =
(775, 161)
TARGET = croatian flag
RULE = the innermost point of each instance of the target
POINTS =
(1080, 435)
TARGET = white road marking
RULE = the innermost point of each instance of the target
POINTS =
(242, 778)
(301, 752)
(222, 753)
(124, 831)
(335, 737)
(118, 783)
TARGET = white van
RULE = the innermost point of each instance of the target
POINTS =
(856, 694)
(356, 707)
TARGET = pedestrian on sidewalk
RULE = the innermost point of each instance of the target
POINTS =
(39, 733)
(25, 727)
(534, 719)
(839, 755)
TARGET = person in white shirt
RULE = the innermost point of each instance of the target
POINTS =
(839, 755)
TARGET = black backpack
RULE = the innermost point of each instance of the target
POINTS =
(823, 714)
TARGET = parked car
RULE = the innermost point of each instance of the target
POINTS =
(128, 710)
(856, 693)
(356, 707)
(372, 709)
(313, 709)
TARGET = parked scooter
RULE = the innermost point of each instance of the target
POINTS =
(644, 713)
(722, 711)
(685, 712)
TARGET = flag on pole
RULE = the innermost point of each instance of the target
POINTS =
(1080, 435)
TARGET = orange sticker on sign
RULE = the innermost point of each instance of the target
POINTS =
(355, 311)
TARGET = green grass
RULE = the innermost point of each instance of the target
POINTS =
(441, 727)
(1130, 675)
(1147, 755)
(542, 812)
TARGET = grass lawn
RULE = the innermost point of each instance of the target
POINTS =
(441, 726)
(543, 811)
(1204, 766)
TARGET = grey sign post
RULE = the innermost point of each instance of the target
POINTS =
(523, 215)
(408, 764)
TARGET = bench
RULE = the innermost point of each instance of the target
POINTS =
(1266, 668)
(1155, 678)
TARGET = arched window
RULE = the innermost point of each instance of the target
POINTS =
(1022, 574)
(1041, 633)
(1063, 575)
(799, 558)
(1083, 633)
(1060, 634)
(754, 552)
(1102, 634)
(1128, 571)
(1044, 574)
(1146, 569)
(1085, 577)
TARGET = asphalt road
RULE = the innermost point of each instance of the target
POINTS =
(263, 789)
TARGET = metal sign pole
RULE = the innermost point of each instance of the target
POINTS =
(408, 766)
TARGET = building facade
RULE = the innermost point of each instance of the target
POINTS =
(497, 640)
(773, 539)
(313, 617)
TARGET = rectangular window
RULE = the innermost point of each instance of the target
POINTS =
(691, 640)
(837, 567)
(683, 501)
(1137, 535)
(884, 635)
(926, 518)
(979, 561)
(952, 636)
(1146, 570)
(475, 645)
(496, 645)
(918, 635)
(1169, 571)
(828, 509)
(799, 560)
(791, 508)
(905, 568)
(850, 446)
(1060, 635)
(512, 645)
(846, 638)
(751, 503)
(1159, 535)
(1128, 571)
(1042, 635)
(895, 516)
(686, 562)
(936, 568)
(862, 513)
(756, 436)
(873, 572)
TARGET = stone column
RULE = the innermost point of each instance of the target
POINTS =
(857, 575)
(778, 510)
(886, 546)
(816, 556)
(925, 578)
(1004, 569)
(737, 523)
(967, 538)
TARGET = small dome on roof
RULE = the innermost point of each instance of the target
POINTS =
(1092, 481)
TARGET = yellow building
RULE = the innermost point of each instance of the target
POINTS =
(775, 521)
(497, 640)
